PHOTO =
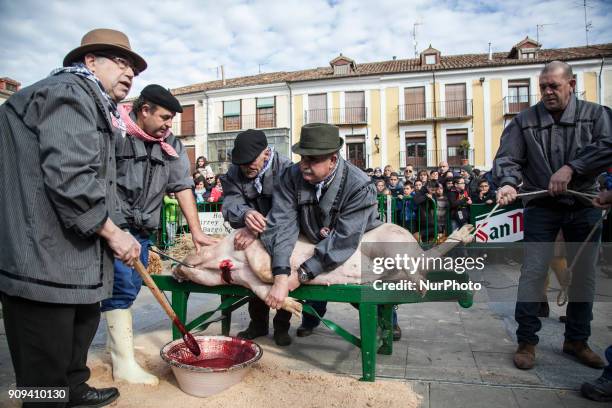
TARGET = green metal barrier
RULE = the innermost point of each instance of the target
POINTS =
(173, 223)
(210, 207)
(424, 222)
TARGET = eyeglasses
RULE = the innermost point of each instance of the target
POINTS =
(121, 62)
(210, 178)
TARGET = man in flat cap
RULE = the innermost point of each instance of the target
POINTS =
(324, 197)
(247, 189)
(57, 202)
(150, 162)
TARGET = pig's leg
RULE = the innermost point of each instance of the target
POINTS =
(259, 261)
(245, 277)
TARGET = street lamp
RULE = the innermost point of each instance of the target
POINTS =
(377, 143)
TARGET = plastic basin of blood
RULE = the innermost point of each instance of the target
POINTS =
(224, 361)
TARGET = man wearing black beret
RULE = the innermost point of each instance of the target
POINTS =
(150, 162)
(248, 187)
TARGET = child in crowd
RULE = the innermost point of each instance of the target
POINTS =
(380, 187)
(484, 194)
(200, 190)
(418, 186)
(408, 207)
(171, 216)
(394, 185)
(459, 201)
(216, 193)
(202, 166)
(377, 175)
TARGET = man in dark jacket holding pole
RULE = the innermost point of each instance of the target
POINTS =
(559, 144)
(247, 189)
(57, 199)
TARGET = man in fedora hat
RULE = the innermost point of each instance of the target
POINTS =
(324, 197)
(151, 161)
(57, 231)
(248, 187)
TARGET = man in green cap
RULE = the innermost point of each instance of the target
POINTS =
(327, 199)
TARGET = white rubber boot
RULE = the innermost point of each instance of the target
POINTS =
(125, 367)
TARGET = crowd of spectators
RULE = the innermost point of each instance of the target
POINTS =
(208, 187)
(440, 196)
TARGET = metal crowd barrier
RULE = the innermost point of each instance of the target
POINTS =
(422, 221)
(173, 223)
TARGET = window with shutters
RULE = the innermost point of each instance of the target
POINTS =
(414, 99)
(355, 150)
(231, 115)
(265, 112)
(354, 107)
(343, 69)
(456, 103)
(317, 108)
(416, 149)
(188, 121)
(518, 95)
(456, 140)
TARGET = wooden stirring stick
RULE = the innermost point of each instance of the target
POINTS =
(188, 338)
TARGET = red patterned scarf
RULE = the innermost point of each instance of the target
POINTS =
(134, 130)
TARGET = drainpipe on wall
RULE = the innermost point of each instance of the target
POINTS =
(435, 123)
(600, 93)
(207, 128)
(290, 117)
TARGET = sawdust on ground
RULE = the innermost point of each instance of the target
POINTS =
(268, 384)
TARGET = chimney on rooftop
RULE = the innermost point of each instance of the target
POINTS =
(223, 75)
(490, 53)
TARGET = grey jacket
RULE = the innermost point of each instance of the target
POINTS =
(144, 174)
(533, 147)
(347, 208)
(57, 175)
(240, 195)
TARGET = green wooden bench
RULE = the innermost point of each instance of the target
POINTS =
(375, 309)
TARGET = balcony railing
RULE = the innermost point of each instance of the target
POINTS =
(337, 116)
(239, 122)
(516, 104)
(440, 110)
(422, 158)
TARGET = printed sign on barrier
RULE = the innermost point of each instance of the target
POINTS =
(212, 223)
(505, 225)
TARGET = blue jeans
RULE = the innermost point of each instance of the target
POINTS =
(310, 322)
(127, 281)
(608, 369)
(542, 226)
